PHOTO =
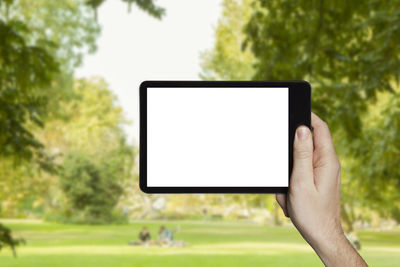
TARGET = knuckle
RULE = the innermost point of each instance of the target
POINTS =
(324, 125)
(302, 153)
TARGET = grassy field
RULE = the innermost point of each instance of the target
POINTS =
(210, 244)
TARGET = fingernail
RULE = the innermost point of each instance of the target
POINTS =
(303, 132)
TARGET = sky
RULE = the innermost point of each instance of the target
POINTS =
(134, 47)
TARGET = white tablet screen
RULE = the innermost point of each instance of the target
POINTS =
(217, 137)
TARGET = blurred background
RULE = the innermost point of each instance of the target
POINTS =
(69, 77)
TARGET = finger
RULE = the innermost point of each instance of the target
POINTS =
(281, 199)
(322, 137)
(302, 172)
(326, 163)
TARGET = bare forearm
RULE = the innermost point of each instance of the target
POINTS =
(338, 252)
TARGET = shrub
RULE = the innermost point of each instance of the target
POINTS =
(91, 188)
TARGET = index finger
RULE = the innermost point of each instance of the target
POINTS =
(322, 136)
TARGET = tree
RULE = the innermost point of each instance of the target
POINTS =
(350, 55)
(68, 24)
(91, 187)
(227, 60)
(90, 123)
(230, 60)
(25, 74)
(51, 35)
(25, 70)
(349, 50)
(92, 146)
(380, 184)
(40, 44)
(54, 34)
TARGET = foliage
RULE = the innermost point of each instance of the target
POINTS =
(91, 187)
(230, 60)
(18, 195)
(40, 43)
(227, 60)
(6, 239)
(25, 74)
(91, 123)
(349, 52)
(347, 49)
(90, 119)
(69, 24)
(145, 5)
(381, 181)
(90, 135)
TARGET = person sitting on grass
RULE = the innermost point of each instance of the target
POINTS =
(165, 236)
(144, 238)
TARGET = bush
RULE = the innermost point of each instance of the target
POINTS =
(91, 188)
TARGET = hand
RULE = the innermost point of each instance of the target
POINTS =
(313, 199)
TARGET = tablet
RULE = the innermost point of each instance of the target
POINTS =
(219, 136)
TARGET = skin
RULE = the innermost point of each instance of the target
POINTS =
(313, 199)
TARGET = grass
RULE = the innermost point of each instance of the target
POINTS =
(210, 244)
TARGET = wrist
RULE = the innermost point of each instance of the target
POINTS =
(335, 250)
(329, 245)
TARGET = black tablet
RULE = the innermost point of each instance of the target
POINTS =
(219, 136)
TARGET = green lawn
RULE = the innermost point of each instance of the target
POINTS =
(210, 244)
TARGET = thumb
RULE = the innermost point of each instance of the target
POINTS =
(302, 156)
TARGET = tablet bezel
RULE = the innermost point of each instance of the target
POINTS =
(299, 114)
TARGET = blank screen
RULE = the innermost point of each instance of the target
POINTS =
(217, 137)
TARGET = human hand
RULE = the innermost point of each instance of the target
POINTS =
(313, 199)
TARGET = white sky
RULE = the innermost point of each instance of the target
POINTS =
(134, 47)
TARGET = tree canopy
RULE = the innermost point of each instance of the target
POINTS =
(146, 5)
(90, 129)
(228, 60)
(25, 76)
(349, 51)
(41, 43)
